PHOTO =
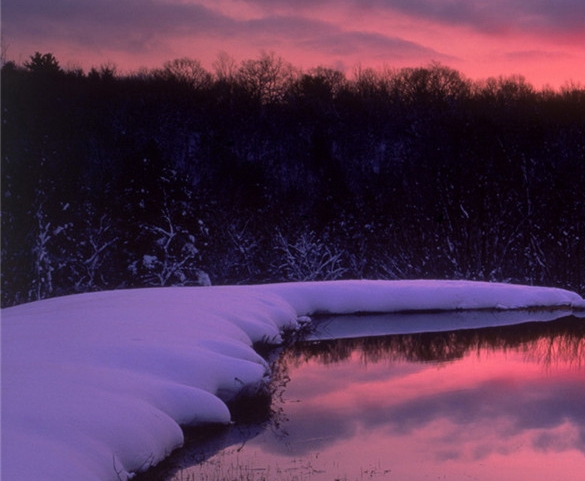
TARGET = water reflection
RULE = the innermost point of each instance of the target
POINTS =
(503, 403)
(544, 342)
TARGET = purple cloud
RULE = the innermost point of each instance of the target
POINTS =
(330, 39)
(137, 26)
(126, 24)
(488, 16)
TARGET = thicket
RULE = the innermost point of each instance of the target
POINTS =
(260, 172)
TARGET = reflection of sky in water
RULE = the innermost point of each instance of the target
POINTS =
(495, 413)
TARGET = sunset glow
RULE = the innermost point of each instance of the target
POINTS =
(541, 40)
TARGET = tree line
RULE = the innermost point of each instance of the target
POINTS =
(258, 171)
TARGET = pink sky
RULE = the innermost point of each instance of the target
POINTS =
(543, 40)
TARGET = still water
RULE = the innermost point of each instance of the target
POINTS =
(503, 403)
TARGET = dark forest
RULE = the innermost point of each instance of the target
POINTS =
(259, 172)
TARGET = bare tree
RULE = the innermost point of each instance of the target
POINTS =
(3, 51)
(225, 67)
(187, 71)
(99, 238)
(307, 259)
(268, 77)
(44, 260)
(172, 258)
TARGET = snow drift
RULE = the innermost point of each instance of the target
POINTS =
(96, 386)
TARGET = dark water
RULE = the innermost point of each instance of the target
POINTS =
(504, 403)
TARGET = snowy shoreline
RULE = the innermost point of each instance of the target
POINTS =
(96, 386)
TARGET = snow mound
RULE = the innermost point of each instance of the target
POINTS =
(347, 297)
(96, 386)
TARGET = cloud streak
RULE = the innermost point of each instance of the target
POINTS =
(489, 16)
(110, 22)
(536, 17)
(134, 25)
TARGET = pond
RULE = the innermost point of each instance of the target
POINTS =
(502, 403)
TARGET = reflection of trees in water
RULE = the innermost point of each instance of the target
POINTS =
(549, 343)
(566, 349)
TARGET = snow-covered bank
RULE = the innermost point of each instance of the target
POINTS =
(350, 326)
(346, 297)
(95, 386)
